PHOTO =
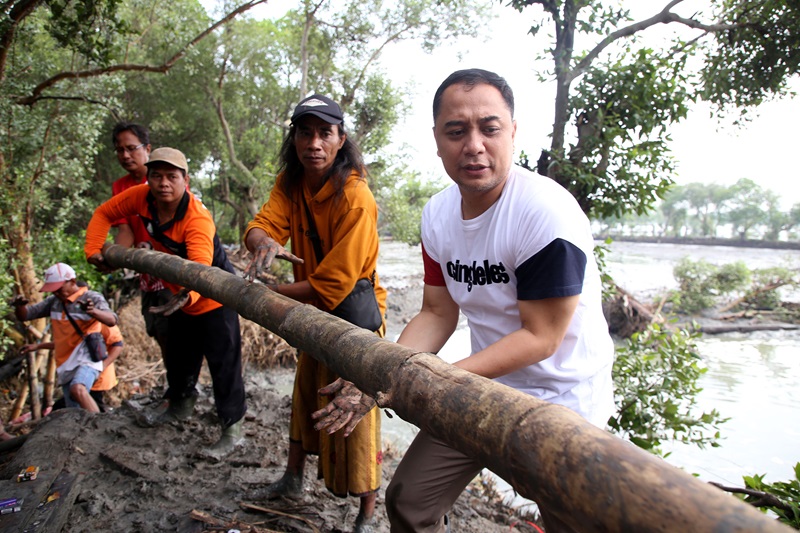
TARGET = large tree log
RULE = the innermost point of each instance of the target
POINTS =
(589, 478)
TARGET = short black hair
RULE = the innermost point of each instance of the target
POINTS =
(137, 129)
(472, 77)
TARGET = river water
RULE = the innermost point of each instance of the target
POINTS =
(751, 378)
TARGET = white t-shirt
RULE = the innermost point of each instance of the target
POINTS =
(533, 243)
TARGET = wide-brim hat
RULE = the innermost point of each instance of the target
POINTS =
(319, 106)
(170, 156)
(56, 276)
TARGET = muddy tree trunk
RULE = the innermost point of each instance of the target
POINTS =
(590, 479)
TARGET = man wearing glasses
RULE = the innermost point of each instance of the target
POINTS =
(132, 146)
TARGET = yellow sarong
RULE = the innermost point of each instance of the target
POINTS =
(349, 466)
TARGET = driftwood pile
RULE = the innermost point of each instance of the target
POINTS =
(626, 315)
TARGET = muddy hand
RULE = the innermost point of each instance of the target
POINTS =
(99, 263)
(263, 254)
(345, 411)
(176, 301)
(88, 306)
(19, 301)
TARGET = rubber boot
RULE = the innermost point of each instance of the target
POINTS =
(230, 439)
(178, 411)
(289, 486)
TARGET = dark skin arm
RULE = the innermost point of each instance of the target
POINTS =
(124, 236)
(264, 250)
(20, 311)
(175, 302)
(113, 353)
(106, 317)
(348, 406)
(37, 346)
(431, 328)
(544, 324)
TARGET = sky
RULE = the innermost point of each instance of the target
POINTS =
(707, 149)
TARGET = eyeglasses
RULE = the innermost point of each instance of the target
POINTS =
(130, 149)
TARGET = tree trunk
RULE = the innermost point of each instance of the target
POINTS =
(546, 452)
(562, 56)
(33, 386)
(19, 404)
(19, 238)
(50, 380)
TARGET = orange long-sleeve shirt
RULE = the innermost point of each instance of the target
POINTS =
(347, 225)
(192, 230)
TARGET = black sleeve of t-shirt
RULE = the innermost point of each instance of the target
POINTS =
(555, 271)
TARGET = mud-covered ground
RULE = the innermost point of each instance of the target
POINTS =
(130, 478)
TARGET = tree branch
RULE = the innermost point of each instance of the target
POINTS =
(752, 294)
(78, 99)
(548, 5)
(226, 130)
(310, 16)
(350, 96)
(764, 499)
(15, 15)
(37, 173)
(665, 16)
(36, 94)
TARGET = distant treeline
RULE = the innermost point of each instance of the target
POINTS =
(706, 241)
(708, 212)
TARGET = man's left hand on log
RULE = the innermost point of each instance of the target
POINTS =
(346, 410)
(176, 301)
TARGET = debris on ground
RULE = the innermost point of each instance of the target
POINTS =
(106, 472)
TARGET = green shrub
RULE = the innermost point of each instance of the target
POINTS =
(786, 502)
(763, 293)
(608, 284)
(63, 247)
(655, 381)
(6, 293)
(702, 283)
(732, 277)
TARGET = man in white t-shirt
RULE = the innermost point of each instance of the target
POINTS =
(513, 251)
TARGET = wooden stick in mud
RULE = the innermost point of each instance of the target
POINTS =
(33, 387)
(19, 403)
(50, 379)
(590, 479)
